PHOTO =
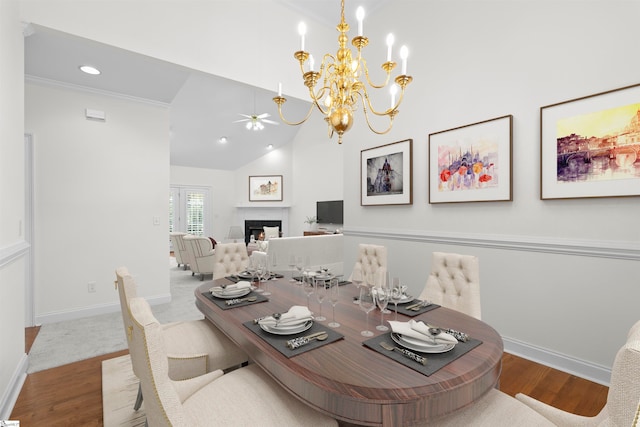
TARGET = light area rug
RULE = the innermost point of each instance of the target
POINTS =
(66, 342)
(119, 392)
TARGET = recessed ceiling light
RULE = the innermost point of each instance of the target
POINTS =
(222, 140)
(89, 70)
(270, 147)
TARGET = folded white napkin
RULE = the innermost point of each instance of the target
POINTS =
(236, 288)
(420, 331)
(296, 315)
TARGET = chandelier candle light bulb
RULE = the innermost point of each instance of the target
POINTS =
(343, 82)
(390, 41)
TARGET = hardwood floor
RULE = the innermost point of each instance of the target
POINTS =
(71, 395)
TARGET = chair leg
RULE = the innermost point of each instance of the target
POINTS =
(138, 399)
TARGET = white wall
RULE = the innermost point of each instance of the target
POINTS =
(13, 248)
(559, 278)
(99, 189)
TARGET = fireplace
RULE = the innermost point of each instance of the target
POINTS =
(254, 227)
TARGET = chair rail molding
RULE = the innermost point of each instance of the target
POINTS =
(10, 253)
(590, 248)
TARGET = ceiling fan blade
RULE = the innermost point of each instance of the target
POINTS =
(264, 115)
(244, 115)
(241, 120)
(271, 122)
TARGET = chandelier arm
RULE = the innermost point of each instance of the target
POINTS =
(294, 123)
(366, 101)
(366, 73)
(390, 113)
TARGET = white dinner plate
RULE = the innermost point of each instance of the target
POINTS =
(239, 293)
(420, 346)
(288, 330)
(405, 299)
(245, 275)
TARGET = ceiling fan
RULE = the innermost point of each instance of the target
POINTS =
(256, 121)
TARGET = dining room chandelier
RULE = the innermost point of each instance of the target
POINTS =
(342, 81)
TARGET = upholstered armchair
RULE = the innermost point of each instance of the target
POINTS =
(371, 260)
(246, 396)
(201, 252)
(179, 249)
(454, 282)
(229, 258)
(193, 347)
(623, 401)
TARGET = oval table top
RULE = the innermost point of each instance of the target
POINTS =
(350, 381)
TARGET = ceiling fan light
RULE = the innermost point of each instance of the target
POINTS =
(249, 125)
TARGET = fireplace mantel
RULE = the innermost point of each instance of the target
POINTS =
(263, 212)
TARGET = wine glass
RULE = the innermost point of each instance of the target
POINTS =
(292, 267)
(382, 299)
(259, 275)
(265, 275)
(320, 291)
(396, 293)
(299, 267)
(307, 287)
(251, 270)
(334, 296)
(357, 279)
(367, 303)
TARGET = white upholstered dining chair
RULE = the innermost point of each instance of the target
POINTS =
(623, 400)
(193, 347)
(244, 397)
(371, 260)
(229, 258)
(454, 282)
(179, 249)
(201, 254)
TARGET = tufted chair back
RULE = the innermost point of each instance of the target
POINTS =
(162, 404)
(229, 258)
(371, 259)
(200, 251)
(126, 291)
(454, 283)
(179, 249)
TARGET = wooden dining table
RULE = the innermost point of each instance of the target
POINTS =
(351, 382)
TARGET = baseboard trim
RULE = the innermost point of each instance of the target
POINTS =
(10, 396)
(93, 310)
(590, 371)
(591, 248)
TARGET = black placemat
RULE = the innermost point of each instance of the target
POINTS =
(340, 283)
(402, 308)
(221, 303)
(236, 279)
(435, 361)
(279, 342)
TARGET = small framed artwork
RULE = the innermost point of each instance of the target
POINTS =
(472, 163)
(387, 175)
(590, 146)
(265, 188)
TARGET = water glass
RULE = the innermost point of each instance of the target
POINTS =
(367, 304)
(307, 287)
(320, 291)
(334, 296)
(292, 267)
(396, 293)
(382, 299)
(357, 278)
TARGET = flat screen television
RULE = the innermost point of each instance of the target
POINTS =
(330, 212)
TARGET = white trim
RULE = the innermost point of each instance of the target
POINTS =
(8, 254)
(592, 248)
(48, 82)
(581, 368)
(61, 316)
(13, 389)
